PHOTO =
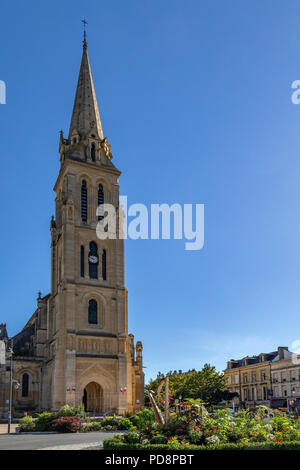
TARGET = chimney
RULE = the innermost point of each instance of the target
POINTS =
(281, 350)
(262, 357)
(245, 361)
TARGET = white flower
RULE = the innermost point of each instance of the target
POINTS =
(213, 440)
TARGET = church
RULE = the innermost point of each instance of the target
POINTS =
(75, 348)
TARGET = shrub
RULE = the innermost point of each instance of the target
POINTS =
(132, 437)
(79, 411)
(110, 421)
(67, 424)
(27, 424)
(195, 435)
(143, 418)
(93, 426)
(66, 410)
(175, 423)
(109, 427)
(43, 422)
(111, 444)
(128, 415)
(158, 439)
(124, 424)
(174, 444)
(116, 440)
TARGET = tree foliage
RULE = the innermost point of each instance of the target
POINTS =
(207, 384)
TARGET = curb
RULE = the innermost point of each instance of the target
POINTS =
(46, 432)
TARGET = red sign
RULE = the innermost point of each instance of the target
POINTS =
(73, 389)
(68, 389)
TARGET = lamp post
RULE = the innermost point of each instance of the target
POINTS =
(10, 388)
(11, 383)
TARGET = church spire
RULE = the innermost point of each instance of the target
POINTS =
(85, 116)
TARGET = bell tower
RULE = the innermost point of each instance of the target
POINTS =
(91, 355)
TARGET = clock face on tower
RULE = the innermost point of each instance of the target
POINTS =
(93, 259)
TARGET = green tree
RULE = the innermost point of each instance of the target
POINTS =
(208, 384)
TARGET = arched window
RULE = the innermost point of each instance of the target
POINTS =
(100, 202)
(93, 312)
(93, 261)
(82, 261)
(104, 265)
(84, 204)
(93, 152)
(25, 385)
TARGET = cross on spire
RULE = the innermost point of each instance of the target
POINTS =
(85, 114)
(84, 31)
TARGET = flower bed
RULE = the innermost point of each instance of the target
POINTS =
(195, 427)
(62, 421)
(70, 419)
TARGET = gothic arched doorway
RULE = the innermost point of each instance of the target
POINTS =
(93, 397)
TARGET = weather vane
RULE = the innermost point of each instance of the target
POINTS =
(84, 29)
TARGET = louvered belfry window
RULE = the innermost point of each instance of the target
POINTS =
(104, 265)
(100, 202)
(93, 312)
(93, 152)
(82, 261)
(84, 204)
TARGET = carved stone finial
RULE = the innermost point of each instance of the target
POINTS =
(3, 332)
(52, 223)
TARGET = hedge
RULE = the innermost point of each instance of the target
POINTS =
(109, 444)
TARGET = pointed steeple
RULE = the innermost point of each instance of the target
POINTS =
(85, 116)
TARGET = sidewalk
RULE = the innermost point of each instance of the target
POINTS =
(3, 428)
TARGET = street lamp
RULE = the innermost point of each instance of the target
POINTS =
(12, 382)
(10, 351)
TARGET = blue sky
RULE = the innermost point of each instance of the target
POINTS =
(195, 98)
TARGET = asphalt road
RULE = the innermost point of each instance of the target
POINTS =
(76, 441)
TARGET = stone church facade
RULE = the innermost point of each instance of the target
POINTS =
(76, 348)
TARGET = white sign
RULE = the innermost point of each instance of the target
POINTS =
(2, 352)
